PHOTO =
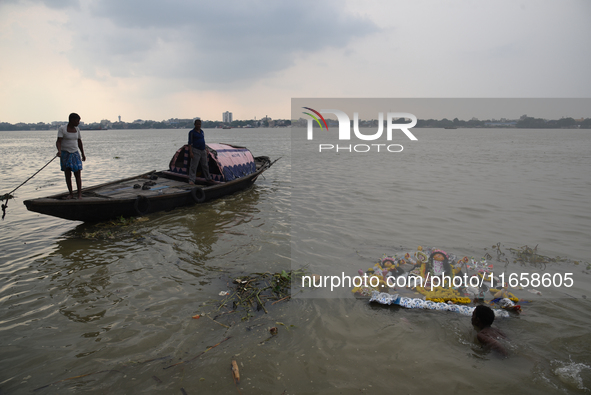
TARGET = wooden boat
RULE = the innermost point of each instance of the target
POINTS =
(232, 169)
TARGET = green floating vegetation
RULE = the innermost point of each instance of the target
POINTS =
(112, 229)
(526, 255)
(253, 292)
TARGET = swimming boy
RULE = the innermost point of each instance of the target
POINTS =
(482, 319)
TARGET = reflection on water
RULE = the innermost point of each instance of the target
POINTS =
(94, 296)
(115, 303)
(92, 261)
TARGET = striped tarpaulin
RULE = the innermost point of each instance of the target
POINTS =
(226, 163)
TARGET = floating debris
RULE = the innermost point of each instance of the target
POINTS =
(235, 372)
(115, 228)
(527, 254)
(251, 293)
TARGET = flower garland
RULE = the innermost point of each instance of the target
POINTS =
(441, 295)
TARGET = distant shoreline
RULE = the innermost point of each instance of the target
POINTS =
(522, 123)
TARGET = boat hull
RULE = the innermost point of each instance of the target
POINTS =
(121, 199)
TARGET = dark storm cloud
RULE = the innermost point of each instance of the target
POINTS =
(230, 41)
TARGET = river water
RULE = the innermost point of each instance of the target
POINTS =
(107, 308)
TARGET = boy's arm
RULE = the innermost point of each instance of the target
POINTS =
(490, 342)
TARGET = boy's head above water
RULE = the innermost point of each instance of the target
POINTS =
(483, 316)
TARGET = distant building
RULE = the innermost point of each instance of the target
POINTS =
(119, 118)
(227, 117)
(501, 123)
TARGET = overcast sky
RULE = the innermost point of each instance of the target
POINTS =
(150, 59)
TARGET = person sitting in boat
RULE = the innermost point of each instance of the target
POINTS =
(482, 319)
(68, 142)
(198, 153)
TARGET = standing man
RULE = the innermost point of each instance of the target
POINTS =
(198, 153)
(68, 142)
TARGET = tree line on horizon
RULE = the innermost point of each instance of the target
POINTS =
(170, 124)
(523, 123)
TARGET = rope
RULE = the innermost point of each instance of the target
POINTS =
(9, 194)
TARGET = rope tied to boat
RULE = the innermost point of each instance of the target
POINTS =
(9, 195)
